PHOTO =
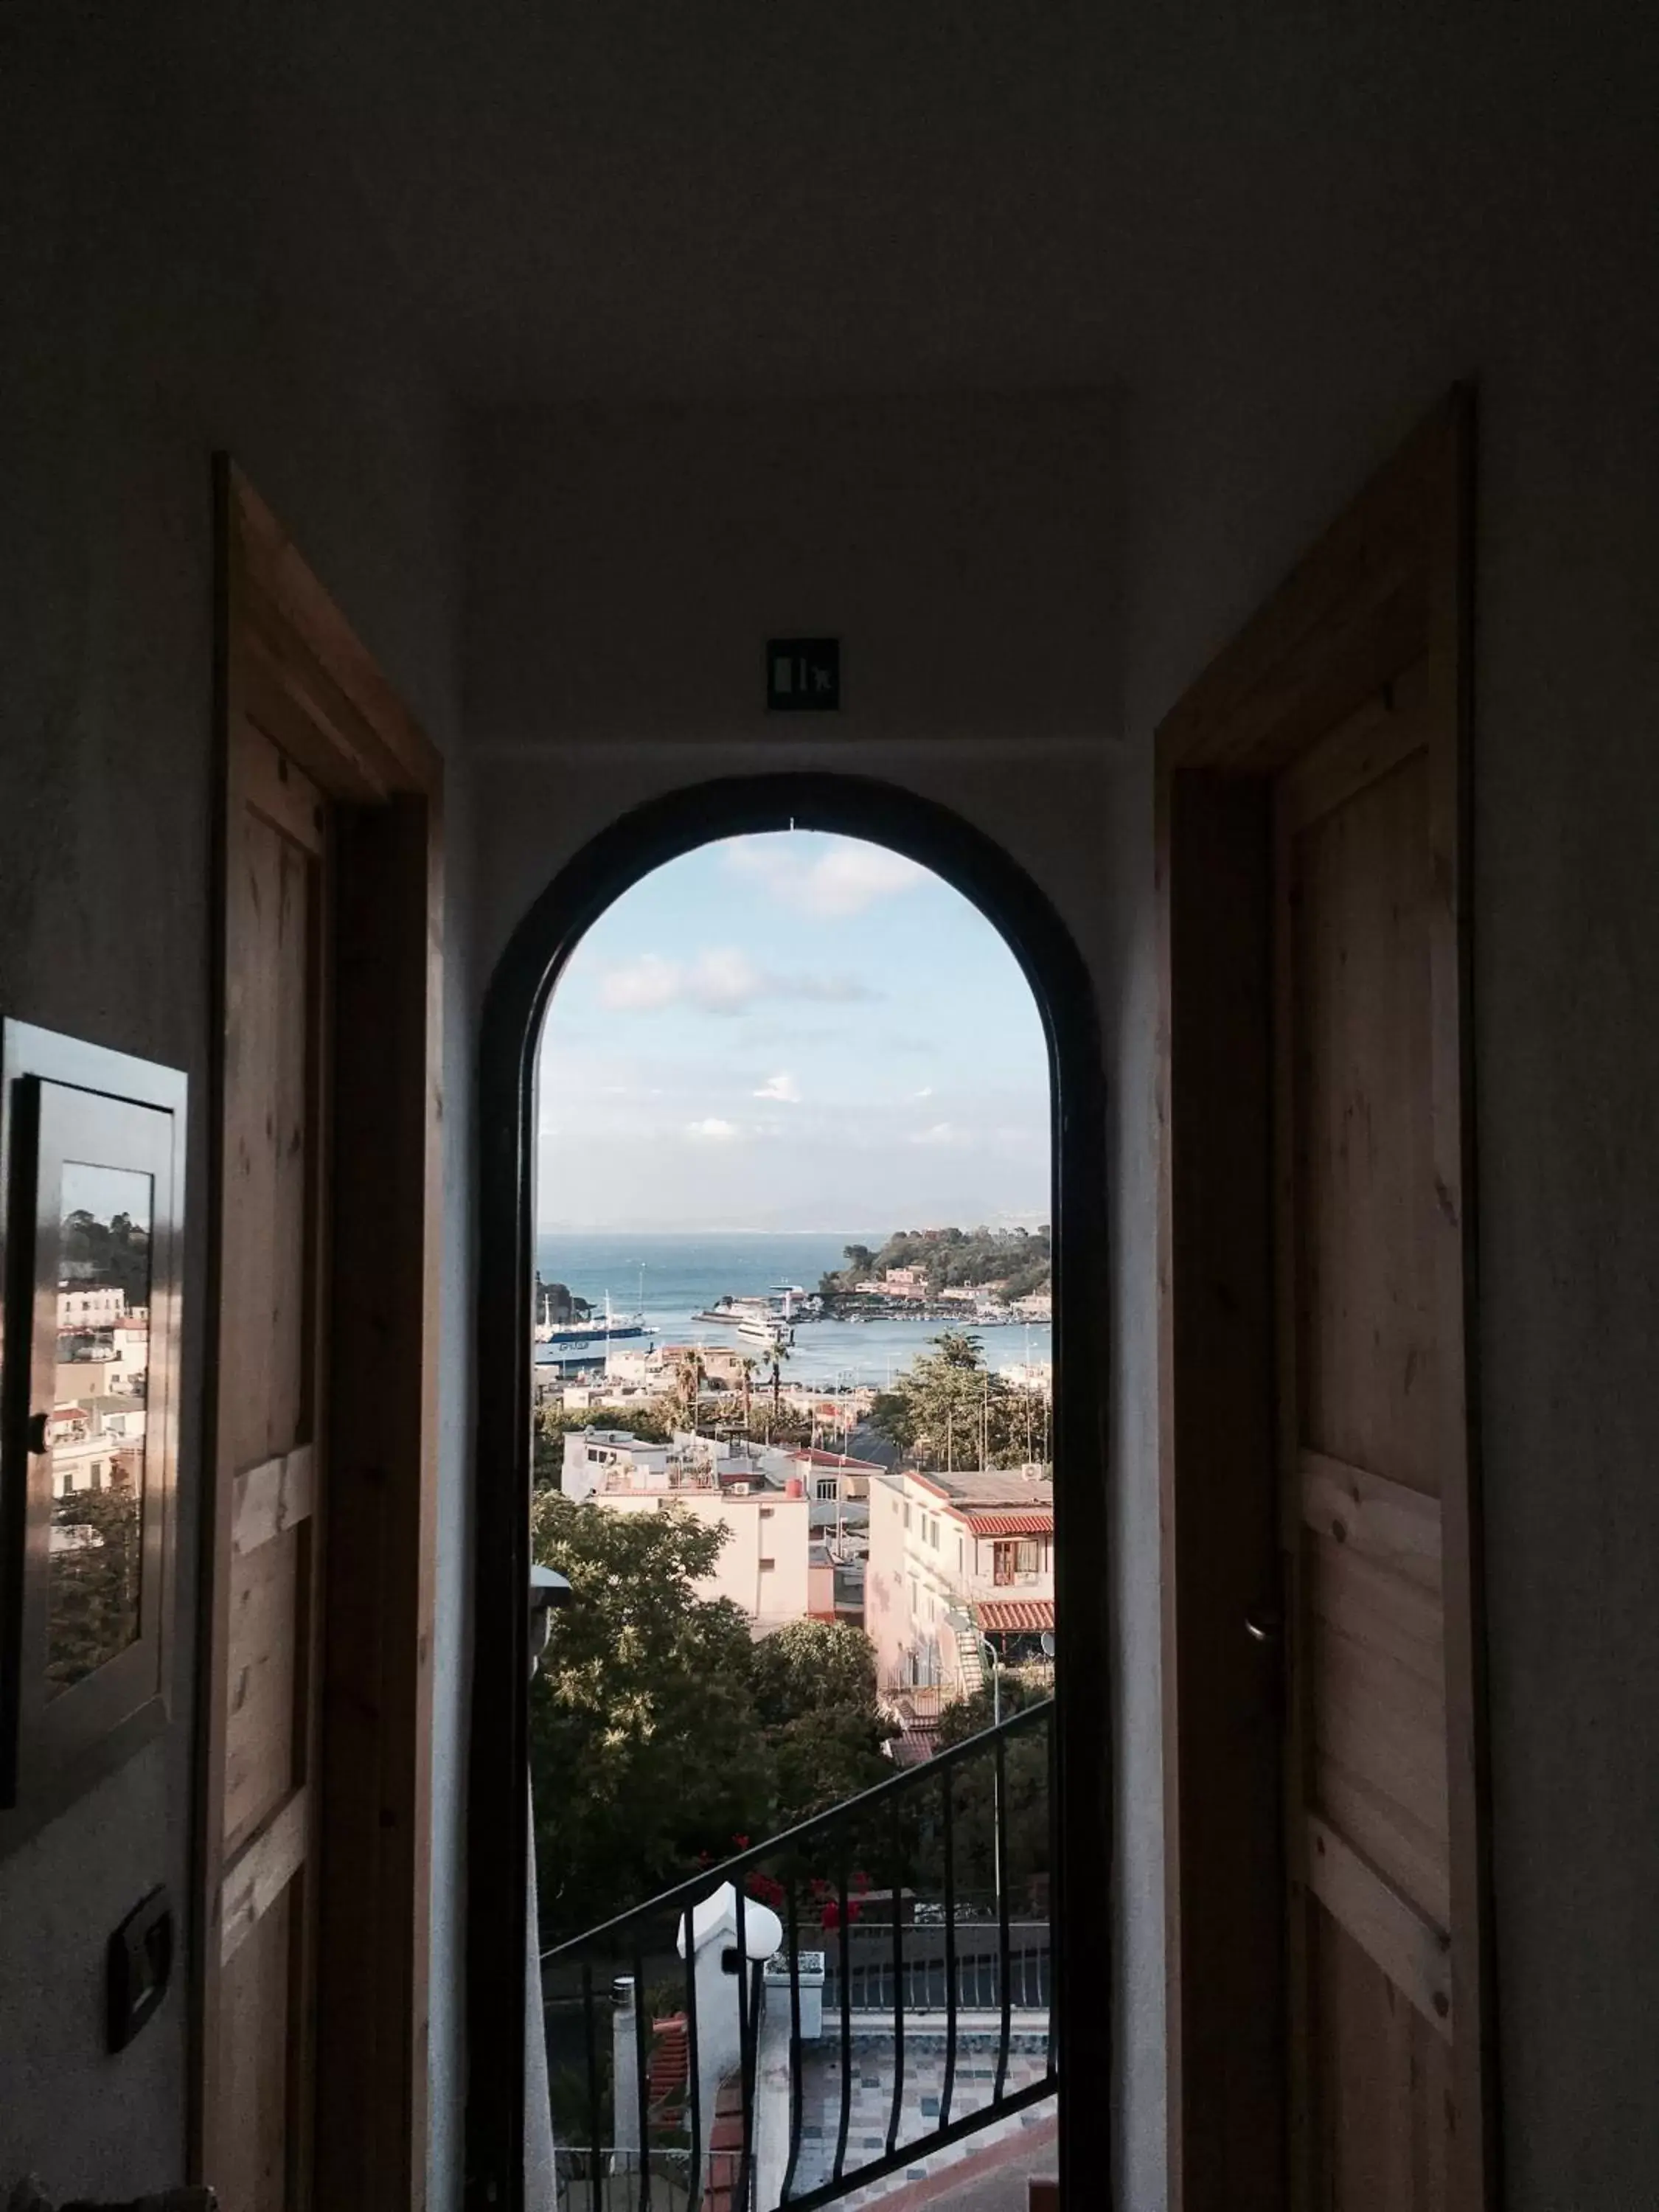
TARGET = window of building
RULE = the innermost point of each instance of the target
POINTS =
(767, 1567)
(907, 1513)
(767, 1512)
(827, 1489)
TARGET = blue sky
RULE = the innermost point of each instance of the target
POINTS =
(794, 1031)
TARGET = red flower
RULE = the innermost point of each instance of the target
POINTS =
(831, 1916)
(739, 1842)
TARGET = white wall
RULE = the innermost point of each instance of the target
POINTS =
(178, 276)
(886, 1586)
(769, 1597)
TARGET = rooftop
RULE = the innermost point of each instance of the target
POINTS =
(972, 1490)
(1015, 1616)
(1027, 1521)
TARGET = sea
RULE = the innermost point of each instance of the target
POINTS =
(671, 1277)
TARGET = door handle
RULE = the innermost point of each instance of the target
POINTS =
(1264, 1625)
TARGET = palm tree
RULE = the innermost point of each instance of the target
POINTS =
(688, 1378)
(748, 1367)
(779, 1353)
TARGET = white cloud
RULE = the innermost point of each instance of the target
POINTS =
(844, 880)
(716, 1131)
(642, 985)
(722, 980)
(784, 1088)
(943, 1133)
(926, 1092)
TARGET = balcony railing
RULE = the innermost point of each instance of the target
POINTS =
(823, 2010)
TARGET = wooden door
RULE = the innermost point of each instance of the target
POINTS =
(1330, 2022)
(271, 1478)
(1369, 1426)
(315, 1798)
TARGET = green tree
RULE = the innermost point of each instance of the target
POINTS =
(949, 1410)
(644, 1750)
(93, 1611)
(115, 1252)
(814, 1689)
(1027, 1812)
(660, 1733)
(1013, 1261)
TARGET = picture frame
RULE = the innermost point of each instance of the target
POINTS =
(92, 1180)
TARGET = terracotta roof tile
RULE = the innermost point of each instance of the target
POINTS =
(1030, 1521)
(1015, 1616)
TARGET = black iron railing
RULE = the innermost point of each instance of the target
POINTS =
(821, 2009)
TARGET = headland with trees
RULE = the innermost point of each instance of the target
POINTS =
(1002, 1265)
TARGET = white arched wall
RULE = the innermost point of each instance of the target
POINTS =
(627, 569)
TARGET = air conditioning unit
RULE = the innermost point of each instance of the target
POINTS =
(737, 1490)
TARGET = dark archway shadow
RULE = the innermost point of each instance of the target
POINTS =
(523, 983)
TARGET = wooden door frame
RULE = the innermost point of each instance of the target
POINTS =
(1085, 1696)
(1392, 576)
(287, 660)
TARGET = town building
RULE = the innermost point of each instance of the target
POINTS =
(955, 1560)
(92, 1306)
(763, 1565)
(94, 1440)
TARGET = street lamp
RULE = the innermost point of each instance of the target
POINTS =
(987, 1645)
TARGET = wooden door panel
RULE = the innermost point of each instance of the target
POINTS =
(1382, 1611)
(1362, 1100)
(1368, 1796)
(270, 1480)
(264, 1731)
(1381, 2084)
(253, 2156)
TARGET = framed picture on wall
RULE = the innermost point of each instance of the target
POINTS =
(92, 1162)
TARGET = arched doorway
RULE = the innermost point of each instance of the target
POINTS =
(975, 865)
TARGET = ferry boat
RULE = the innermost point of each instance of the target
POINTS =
(580, 1343)
(765, 1329)
(767, 1320)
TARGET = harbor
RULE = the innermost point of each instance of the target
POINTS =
(730, 1291)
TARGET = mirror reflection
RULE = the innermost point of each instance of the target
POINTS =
(96, 1431)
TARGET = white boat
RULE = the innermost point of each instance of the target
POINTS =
(765, 1329)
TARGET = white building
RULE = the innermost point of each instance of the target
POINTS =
(954, 1558)
(93, 1440)
(764, 1564)
(92, 1305)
